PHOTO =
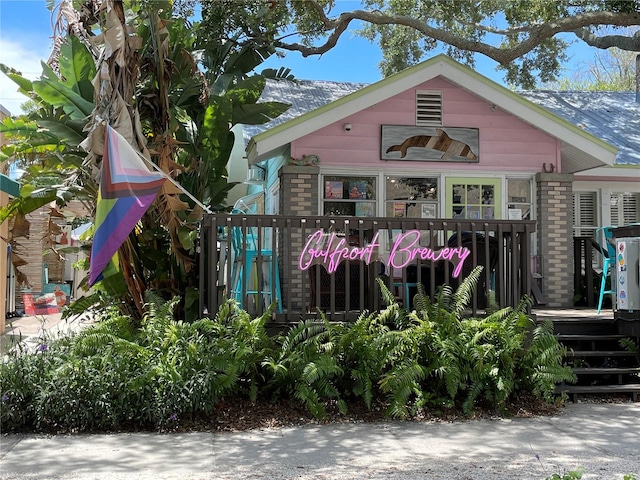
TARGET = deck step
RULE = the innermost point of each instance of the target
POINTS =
(605, 370)
(584, 326)
(596, 337)
(591, 342)
(601, 353)
(574, 390)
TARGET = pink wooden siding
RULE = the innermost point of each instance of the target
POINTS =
(506, 143)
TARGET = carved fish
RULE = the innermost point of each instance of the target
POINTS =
(441, 141)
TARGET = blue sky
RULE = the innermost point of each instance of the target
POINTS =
(25, 40)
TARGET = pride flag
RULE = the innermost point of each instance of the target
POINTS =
(127, 189)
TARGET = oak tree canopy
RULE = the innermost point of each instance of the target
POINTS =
(527, 38)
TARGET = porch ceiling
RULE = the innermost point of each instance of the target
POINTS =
(574, 160)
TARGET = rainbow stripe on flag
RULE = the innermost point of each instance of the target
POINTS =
(127, 189)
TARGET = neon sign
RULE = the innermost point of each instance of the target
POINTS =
(405, 250)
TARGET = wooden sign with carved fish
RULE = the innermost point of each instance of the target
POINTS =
(429, 144)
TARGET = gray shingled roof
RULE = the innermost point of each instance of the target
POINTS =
(303, 95)
(611, 116)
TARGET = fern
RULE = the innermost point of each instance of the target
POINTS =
(363, 355)
(542, 365)
(464, 293)
(400, 383)
(630, 346)
(387, 297)
(307, 365)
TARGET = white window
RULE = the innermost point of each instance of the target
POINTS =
(585, 213)
(412, 197)
(349, 196)
(625, 208)
(519, 199)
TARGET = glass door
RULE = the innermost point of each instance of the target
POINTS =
(473, 198)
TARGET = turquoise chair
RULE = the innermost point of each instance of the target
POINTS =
(604, 241)
(244, 243)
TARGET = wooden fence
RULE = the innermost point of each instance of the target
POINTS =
(332, 263)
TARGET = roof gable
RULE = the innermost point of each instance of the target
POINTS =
(580, 149)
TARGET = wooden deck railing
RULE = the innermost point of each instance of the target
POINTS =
(306, 282)
(584, 248)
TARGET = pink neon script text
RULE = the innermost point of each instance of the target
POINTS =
(405, 250)
(332, 256)
(411, 251)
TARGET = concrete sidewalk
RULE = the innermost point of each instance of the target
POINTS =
(602, 438)
(30, 329)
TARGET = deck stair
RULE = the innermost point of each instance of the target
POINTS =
(596, 357)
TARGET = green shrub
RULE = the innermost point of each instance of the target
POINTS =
(113, 376)
(439, 353)
(164, 371)
(306, 367)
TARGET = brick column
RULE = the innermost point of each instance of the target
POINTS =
(555, 236)
(299, 190)
(299, 197)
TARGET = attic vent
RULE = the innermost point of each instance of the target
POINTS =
(428, 108)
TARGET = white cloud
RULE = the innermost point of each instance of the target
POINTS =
(25, 58)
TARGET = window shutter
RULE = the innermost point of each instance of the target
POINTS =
(625, 208)
(428, 108)
(585, 213)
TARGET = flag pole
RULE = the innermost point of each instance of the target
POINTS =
(176, 184)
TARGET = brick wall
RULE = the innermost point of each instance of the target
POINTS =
(555, 236)
(298, 196)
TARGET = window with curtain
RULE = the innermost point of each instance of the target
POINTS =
(519, 199)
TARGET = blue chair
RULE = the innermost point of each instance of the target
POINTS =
(604, 241)
(406, 299)
(246, 281)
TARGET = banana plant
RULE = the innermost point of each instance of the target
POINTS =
(46, 141)
(175, 96)
(203, 99)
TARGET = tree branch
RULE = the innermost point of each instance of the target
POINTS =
(622, 42)
(503, 55)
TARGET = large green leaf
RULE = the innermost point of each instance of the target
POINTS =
(27, 134)
(64, 132)
(217, 191)
(248, 90)
(215, 126)
(42, 145)
(18, 126)
(59, 95)
(48, 72)
(247, 59)
(24, 84)
(77, 67)
(187, 237)
(283, 73)
(28, 204)
(258, 113)
(186, 95)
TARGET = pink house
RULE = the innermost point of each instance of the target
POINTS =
(437, 140)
